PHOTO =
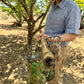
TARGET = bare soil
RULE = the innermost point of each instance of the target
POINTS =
(13, 40)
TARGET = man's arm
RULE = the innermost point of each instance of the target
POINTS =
(68, 37)
(64, 38)
(72, 23)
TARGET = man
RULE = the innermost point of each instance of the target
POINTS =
(63, 20)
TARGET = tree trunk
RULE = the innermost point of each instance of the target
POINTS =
(82, 23)
(30, 33)
(18, 23)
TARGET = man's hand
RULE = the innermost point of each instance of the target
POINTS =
(41, 34)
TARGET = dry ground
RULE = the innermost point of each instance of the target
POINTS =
(12, 40)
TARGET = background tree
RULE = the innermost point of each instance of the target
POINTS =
(6, 7)
(81, 5)
(32, 11)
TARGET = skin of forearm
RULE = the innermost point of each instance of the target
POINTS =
(68, 37)
(64, 37)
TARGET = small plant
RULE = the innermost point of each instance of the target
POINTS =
(37, 75)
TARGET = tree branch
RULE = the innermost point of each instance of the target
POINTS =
(25, 7)
(31, 10)
(13, 8)
(24, 1)
(31, 6)
(46, 12)
(39, 17)
(38, 29)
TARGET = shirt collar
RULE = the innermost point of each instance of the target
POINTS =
(61, 4)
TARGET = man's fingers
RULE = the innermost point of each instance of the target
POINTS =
(51, 39)
(45, 36)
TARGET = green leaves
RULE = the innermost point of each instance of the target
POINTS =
(36, 73)
(80, 3)
(40, 7)
(13, 8)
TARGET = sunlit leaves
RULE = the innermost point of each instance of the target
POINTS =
(80, 3)
(40, 6)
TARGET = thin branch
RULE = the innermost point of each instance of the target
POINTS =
(38, 29)
(31, 6)
(25, 7)
(39, 17)
(46, 12)
(24, 1)
(31, 10)
(13, 8)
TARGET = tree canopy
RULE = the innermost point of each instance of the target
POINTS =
(80, 3)
(32, 11)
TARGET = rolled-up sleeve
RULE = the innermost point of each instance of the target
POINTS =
(72, 21)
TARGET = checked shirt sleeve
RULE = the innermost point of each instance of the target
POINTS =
(72, 21)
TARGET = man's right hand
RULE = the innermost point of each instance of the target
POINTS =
(41, 34)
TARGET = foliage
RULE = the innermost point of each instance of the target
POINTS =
(0, 7)
(31, 10)
(80, 3)
(40, 7)
(37, 75)
(14, 14)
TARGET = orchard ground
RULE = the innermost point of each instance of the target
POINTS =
(12, 40)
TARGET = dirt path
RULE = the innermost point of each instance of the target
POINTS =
(12, 40)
